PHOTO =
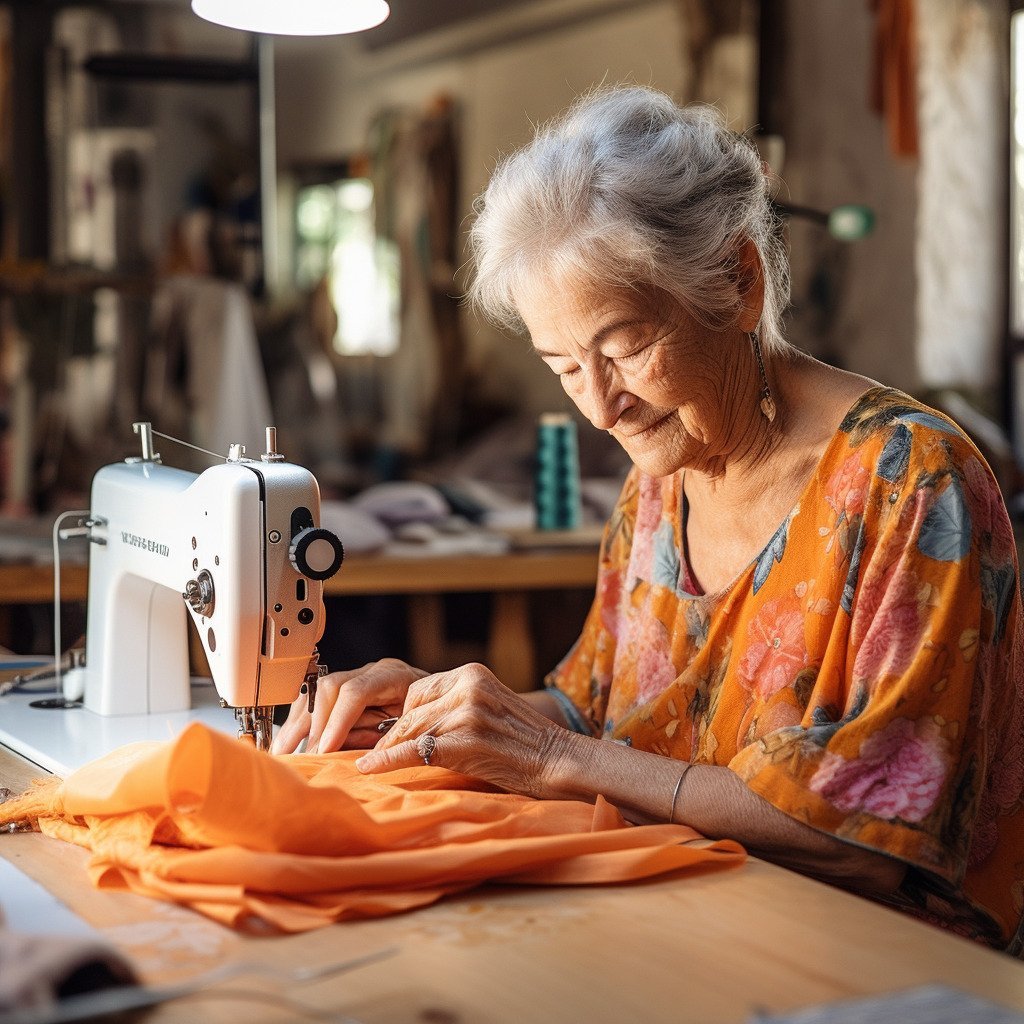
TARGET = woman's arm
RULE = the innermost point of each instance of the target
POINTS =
(483, 729)
(717, 803)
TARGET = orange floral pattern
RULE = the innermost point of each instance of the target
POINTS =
(865, 674)
(775, 647)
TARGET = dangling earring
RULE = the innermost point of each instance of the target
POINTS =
(767, 402)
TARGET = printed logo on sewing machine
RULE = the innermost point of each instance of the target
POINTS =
(145, 543)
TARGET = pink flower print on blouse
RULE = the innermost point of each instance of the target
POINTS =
(1003, 542)
(847, 488)
(652, 651)
(888, 621)
(986, 832)
(776, 651)
(1004, 787)
(609, 590)
(988, 511)
(899, 774)
(648, 516)
(977, 493)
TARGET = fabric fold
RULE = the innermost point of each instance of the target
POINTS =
(293, 843)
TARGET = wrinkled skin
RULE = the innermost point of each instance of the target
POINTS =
(482, 728)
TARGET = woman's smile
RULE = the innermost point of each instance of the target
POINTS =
(643, 432)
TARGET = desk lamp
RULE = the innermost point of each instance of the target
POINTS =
(848, 223)
(294, 17)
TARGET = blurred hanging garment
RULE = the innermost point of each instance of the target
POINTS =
(204, 378)
(298, 842)
(414, 155)
(894, 75)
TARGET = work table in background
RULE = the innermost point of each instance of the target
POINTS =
(712, 948)
(511, 649)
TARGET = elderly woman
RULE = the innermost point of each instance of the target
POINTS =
(807, 632)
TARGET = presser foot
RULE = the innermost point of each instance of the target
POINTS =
(256, 722)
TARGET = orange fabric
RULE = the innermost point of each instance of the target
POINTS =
(298, 842)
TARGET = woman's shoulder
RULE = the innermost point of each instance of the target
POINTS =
(879, 406)
(904, 464)
(900, 433)
(840, 405)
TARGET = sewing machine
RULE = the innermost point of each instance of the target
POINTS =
(239, 548)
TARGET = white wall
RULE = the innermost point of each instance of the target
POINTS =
(836, 153)
(961, 236)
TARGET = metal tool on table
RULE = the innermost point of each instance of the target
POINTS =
(239, 547)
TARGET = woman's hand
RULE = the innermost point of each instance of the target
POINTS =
(348, 708)
(480, 727)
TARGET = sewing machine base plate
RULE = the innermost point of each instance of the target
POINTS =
(63, 739)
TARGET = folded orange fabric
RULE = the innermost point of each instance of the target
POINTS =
(293, 843)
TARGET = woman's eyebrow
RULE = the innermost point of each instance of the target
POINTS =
(599, 335)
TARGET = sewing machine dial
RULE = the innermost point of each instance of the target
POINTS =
(316, 553)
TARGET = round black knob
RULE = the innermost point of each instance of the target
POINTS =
(316, 553)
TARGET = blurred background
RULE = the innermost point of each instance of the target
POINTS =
(216, 231)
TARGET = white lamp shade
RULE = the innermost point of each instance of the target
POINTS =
(294, 17)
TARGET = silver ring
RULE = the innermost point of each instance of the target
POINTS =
(425, 747)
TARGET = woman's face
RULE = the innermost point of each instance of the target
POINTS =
(637, 365)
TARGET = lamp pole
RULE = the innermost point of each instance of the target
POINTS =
(268, 161)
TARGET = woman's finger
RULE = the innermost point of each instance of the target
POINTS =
(429, 688)
(361, 738)
(300, 723)
(379, 683)
(294, 729)
(327, 694)
(426, 749)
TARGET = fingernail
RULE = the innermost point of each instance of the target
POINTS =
(363, 763)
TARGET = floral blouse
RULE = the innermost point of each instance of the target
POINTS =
(864, 674)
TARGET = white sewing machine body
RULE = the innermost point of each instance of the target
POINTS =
(155, 529)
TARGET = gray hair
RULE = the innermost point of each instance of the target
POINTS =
(629, 189)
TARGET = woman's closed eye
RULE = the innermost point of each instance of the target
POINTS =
(634, 359)
(564, 370)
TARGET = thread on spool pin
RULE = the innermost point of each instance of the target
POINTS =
(557, 473)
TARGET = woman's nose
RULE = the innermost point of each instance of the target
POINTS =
(605, 400)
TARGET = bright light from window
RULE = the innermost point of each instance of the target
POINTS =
(337, 238)
(316, 213)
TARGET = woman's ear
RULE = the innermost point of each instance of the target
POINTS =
(749, 286)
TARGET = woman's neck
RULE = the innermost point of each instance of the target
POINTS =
(742, 454)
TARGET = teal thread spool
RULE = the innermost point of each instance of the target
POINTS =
(556, 492)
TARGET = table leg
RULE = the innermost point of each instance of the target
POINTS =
(427, 632)
(510, 652)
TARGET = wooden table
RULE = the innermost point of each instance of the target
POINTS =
(510, 578)
(709, 948)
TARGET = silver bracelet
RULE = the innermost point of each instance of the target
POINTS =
(675, 793)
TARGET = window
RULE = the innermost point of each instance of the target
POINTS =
(336, 238)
